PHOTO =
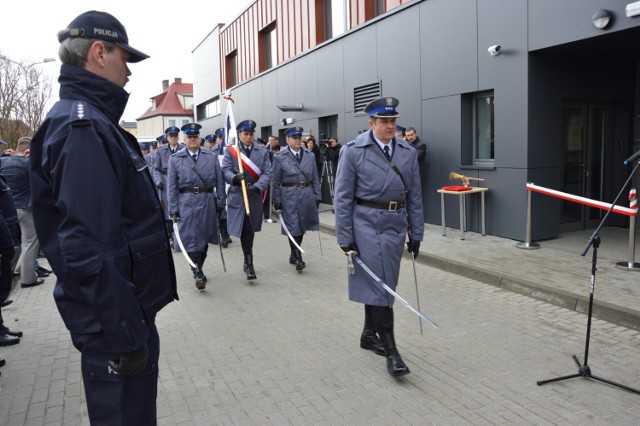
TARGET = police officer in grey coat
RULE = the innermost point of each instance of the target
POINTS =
(161, 166)
(196, 194)
(375, 208)
(257, 176)
(296, 191)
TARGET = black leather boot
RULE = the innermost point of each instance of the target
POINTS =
(292, 256)
(395, 364)
(224, 234)
(300, 265)
(369, 339)
(248, 267)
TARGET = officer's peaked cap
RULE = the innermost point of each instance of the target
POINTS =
(383, 107)
(191, 129)
(219, 132)
(101, 26)
(173, 130)
(293, 131)
(210, 138)
(246, 126)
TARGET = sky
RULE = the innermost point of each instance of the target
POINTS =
(167, 31)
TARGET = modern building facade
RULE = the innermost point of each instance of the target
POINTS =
(557, 103)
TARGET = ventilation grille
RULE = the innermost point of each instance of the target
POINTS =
(364, 94)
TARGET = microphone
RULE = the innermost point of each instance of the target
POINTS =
(632, 158)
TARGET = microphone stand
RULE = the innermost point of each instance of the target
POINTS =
(583, 369)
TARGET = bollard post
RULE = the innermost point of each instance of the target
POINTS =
(528, 245)
(631, 264)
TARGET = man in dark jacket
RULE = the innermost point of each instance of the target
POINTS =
(100, 223)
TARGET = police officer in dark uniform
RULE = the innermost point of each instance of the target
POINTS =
(196, 194)
(257, 176)
(296, 191)
(378, 196)
(218, 149)
(100, 224)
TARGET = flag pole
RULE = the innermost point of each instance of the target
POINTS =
(231, 129)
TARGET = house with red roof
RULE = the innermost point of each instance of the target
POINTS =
(172, 107)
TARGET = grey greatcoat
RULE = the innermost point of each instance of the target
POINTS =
(235, 203)
(298, 202)
(379, 234)
(159, 169)
(197, 208)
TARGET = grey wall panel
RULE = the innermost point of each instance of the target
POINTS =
(448, 47)
(553, 22)
(360, 62)
(399, 64)
(505, 23)
(269, 100)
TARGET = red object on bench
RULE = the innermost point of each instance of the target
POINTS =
(457, 188)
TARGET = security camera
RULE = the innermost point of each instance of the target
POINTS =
(494, 50)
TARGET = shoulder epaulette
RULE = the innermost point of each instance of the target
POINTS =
(351, 143)
(80, 114)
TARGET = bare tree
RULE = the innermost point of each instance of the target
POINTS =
(25, 92)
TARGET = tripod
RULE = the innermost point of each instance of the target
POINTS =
(327, 170)
(594, 240)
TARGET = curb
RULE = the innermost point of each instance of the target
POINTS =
(605, 311)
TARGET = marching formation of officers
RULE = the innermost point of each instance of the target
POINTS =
(210, 192)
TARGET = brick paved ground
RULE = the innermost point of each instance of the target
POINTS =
(284, 350)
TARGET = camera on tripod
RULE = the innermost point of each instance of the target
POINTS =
(323, 144)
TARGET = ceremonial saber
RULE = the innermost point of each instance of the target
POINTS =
(224, 266)
(390, 291)
(184, 252)
(415, 280)
(320, 242)
(288, 233)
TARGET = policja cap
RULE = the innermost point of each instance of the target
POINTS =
(210, 138)
(219, 132)
(173, 130)
(383, 107)
(293, 131)
(144, 146)
(101, 26)
(191, 129)
(246, 126)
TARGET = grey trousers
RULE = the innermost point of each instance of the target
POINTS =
(30, 247)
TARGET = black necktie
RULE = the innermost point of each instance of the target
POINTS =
(247, 151)
(386, 152)
(298, 156)
(195, 157)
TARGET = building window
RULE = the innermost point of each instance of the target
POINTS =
(483, 128)
(380, 7)
(231, 67)
(209, 109)
(268, 47)
(185, 122)
(172, 123)
(362, 95)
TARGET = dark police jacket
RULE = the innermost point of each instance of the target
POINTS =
(97, 215)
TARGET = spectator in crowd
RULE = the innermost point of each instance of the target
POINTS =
(412, 137)
(333, 153)
(15, 169)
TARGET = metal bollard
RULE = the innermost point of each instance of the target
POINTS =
(528, 245)
(631, 264)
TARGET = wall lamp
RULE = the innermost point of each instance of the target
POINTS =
(602, 19)
(287, 108)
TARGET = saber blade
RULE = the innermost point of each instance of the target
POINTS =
(284, 226)
(393, 293)
(415, 281)
(176, 232)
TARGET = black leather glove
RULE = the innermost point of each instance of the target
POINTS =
(236, 179)
(349, 247)
(277, 207)
(253, 190)
(413, 246)
(175, 217)
(131, 363)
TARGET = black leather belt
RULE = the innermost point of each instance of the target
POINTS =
(195, 190)
(300, 184)
(392, 206)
